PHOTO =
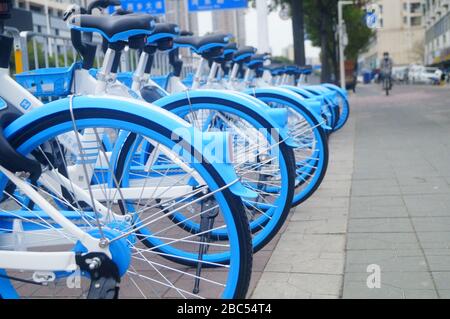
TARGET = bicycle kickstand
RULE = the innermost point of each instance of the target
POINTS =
(206, 223)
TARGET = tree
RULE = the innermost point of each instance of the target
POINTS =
(298, 26)
(321, 26)
(319, 23)
(358, 33)
(298, 30)
(319, 19)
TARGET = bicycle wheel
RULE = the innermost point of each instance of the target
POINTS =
(311, 154)
(263, 162)
(86, 196)
(336, 115)
(324, 111)
(344, 107)
(331, 108)
(327, 113)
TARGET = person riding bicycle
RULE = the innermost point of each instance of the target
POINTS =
(386, 68)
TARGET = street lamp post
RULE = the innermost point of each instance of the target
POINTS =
(49, 32)
(410, 46)
(263, 29)
(341, 5)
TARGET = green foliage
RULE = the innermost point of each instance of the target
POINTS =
(51, 59)
(358, 33)
(325, 12)
(321, 18)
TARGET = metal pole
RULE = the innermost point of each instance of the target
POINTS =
(341, 5)
(24, 50)
(263, 29)
(45, 53)
(47, 20)
(186, 16)
(35, 53)
(74, 56)
(236, 27)
(56, 55)
(408, 6)
(18, 48)
(124, 60)
(341, 44)
(65, 44)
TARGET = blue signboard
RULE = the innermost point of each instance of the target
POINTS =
(207, 5)
(371, 20)
(147, 6)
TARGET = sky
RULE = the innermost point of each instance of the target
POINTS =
(280, 32)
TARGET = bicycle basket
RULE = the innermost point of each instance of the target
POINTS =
(48, 82)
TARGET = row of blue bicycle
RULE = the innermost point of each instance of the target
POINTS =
(140, 186)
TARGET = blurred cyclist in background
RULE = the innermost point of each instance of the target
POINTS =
(386, 68)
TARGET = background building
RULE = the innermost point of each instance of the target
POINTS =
(47, 20)
(176, 12)
(288, 52)
(401, 33)
(47, 14)
(230, 21)
(437, 36)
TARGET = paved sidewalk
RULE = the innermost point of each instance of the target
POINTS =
(308, 260)
(385, 202)
(400, 201)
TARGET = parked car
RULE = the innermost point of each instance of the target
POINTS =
(400, 74)
(360, 79)
(423, 74)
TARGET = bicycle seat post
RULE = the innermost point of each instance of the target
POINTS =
(199, 73)
(247, 77)
(105, 70)
(213, 72)
(108, 71)
(234, 72)
(140, 71)
(144, 66)
(208, 47)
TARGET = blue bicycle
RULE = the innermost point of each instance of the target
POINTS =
(68, 226)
